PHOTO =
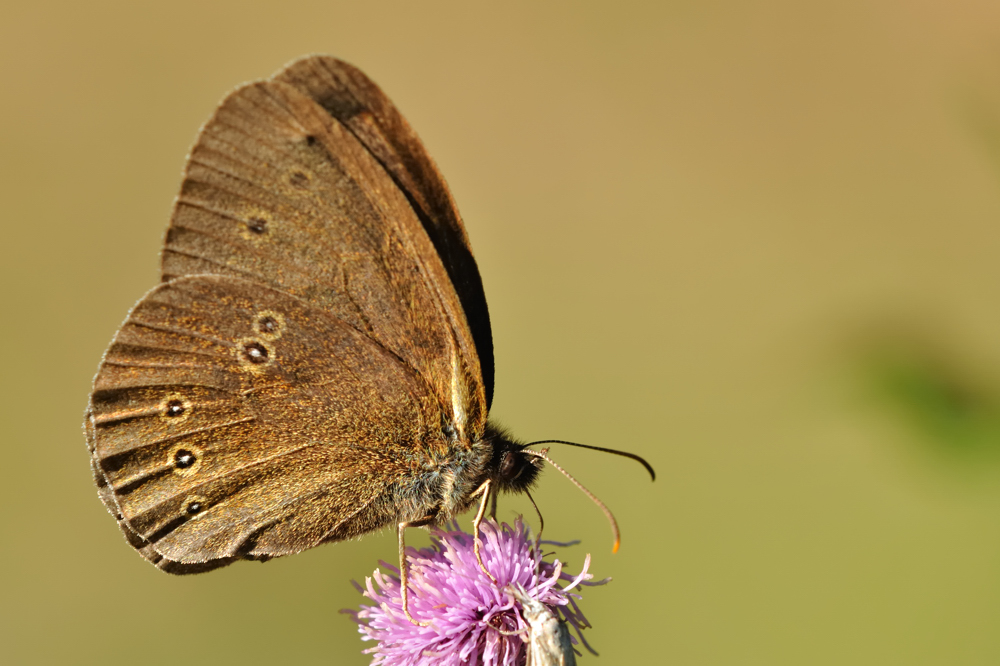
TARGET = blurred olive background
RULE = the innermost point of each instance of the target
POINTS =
(755, 242)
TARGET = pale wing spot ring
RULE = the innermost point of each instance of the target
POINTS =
(269, 324)
(194, 506)
(175, 408)
(254, 354)
(257, 224)
(179, 456)
(299, 178)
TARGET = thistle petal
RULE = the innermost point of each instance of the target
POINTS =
(472, 620)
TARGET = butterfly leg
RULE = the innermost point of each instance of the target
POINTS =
(485, 490)
(404, 568)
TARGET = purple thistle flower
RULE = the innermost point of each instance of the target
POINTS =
(472, 620)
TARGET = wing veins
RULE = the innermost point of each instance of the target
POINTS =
(167, 349)
(185, 332)
(181, 435)
(227, 473)
(194, 255)
(123, 415)
(314, 279)
(125, 364)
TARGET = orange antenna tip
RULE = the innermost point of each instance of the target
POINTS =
(607, 512)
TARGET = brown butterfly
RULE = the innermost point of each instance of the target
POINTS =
(317, 361)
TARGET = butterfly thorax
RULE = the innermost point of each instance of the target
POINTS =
(458, 477)
(445, 484)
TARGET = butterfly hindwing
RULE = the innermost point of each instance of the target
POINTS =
(256, 434)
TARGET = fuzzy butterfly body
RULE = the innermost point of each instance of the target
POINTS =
(317, 362)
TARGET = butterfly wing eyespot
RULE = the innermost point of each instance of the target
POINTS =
(254, 354)
(194, 506)
(299, 179)
(186, 459)
(183, 459)
(269, 324)
(255, 225)
(175, 408)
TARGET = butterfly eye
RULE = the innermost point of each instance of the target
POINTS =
(508, 466)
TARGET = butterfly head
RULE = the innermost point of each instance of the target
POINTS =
(510, 468)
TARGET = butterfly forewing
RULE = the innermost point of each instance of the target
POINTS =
(278, 191)
(356, 102)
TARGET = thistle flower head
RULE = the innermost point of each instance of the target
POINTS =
(472, 620)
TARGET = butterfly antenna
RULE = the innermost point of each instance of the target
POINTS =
(607, 512)
(625, 454)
